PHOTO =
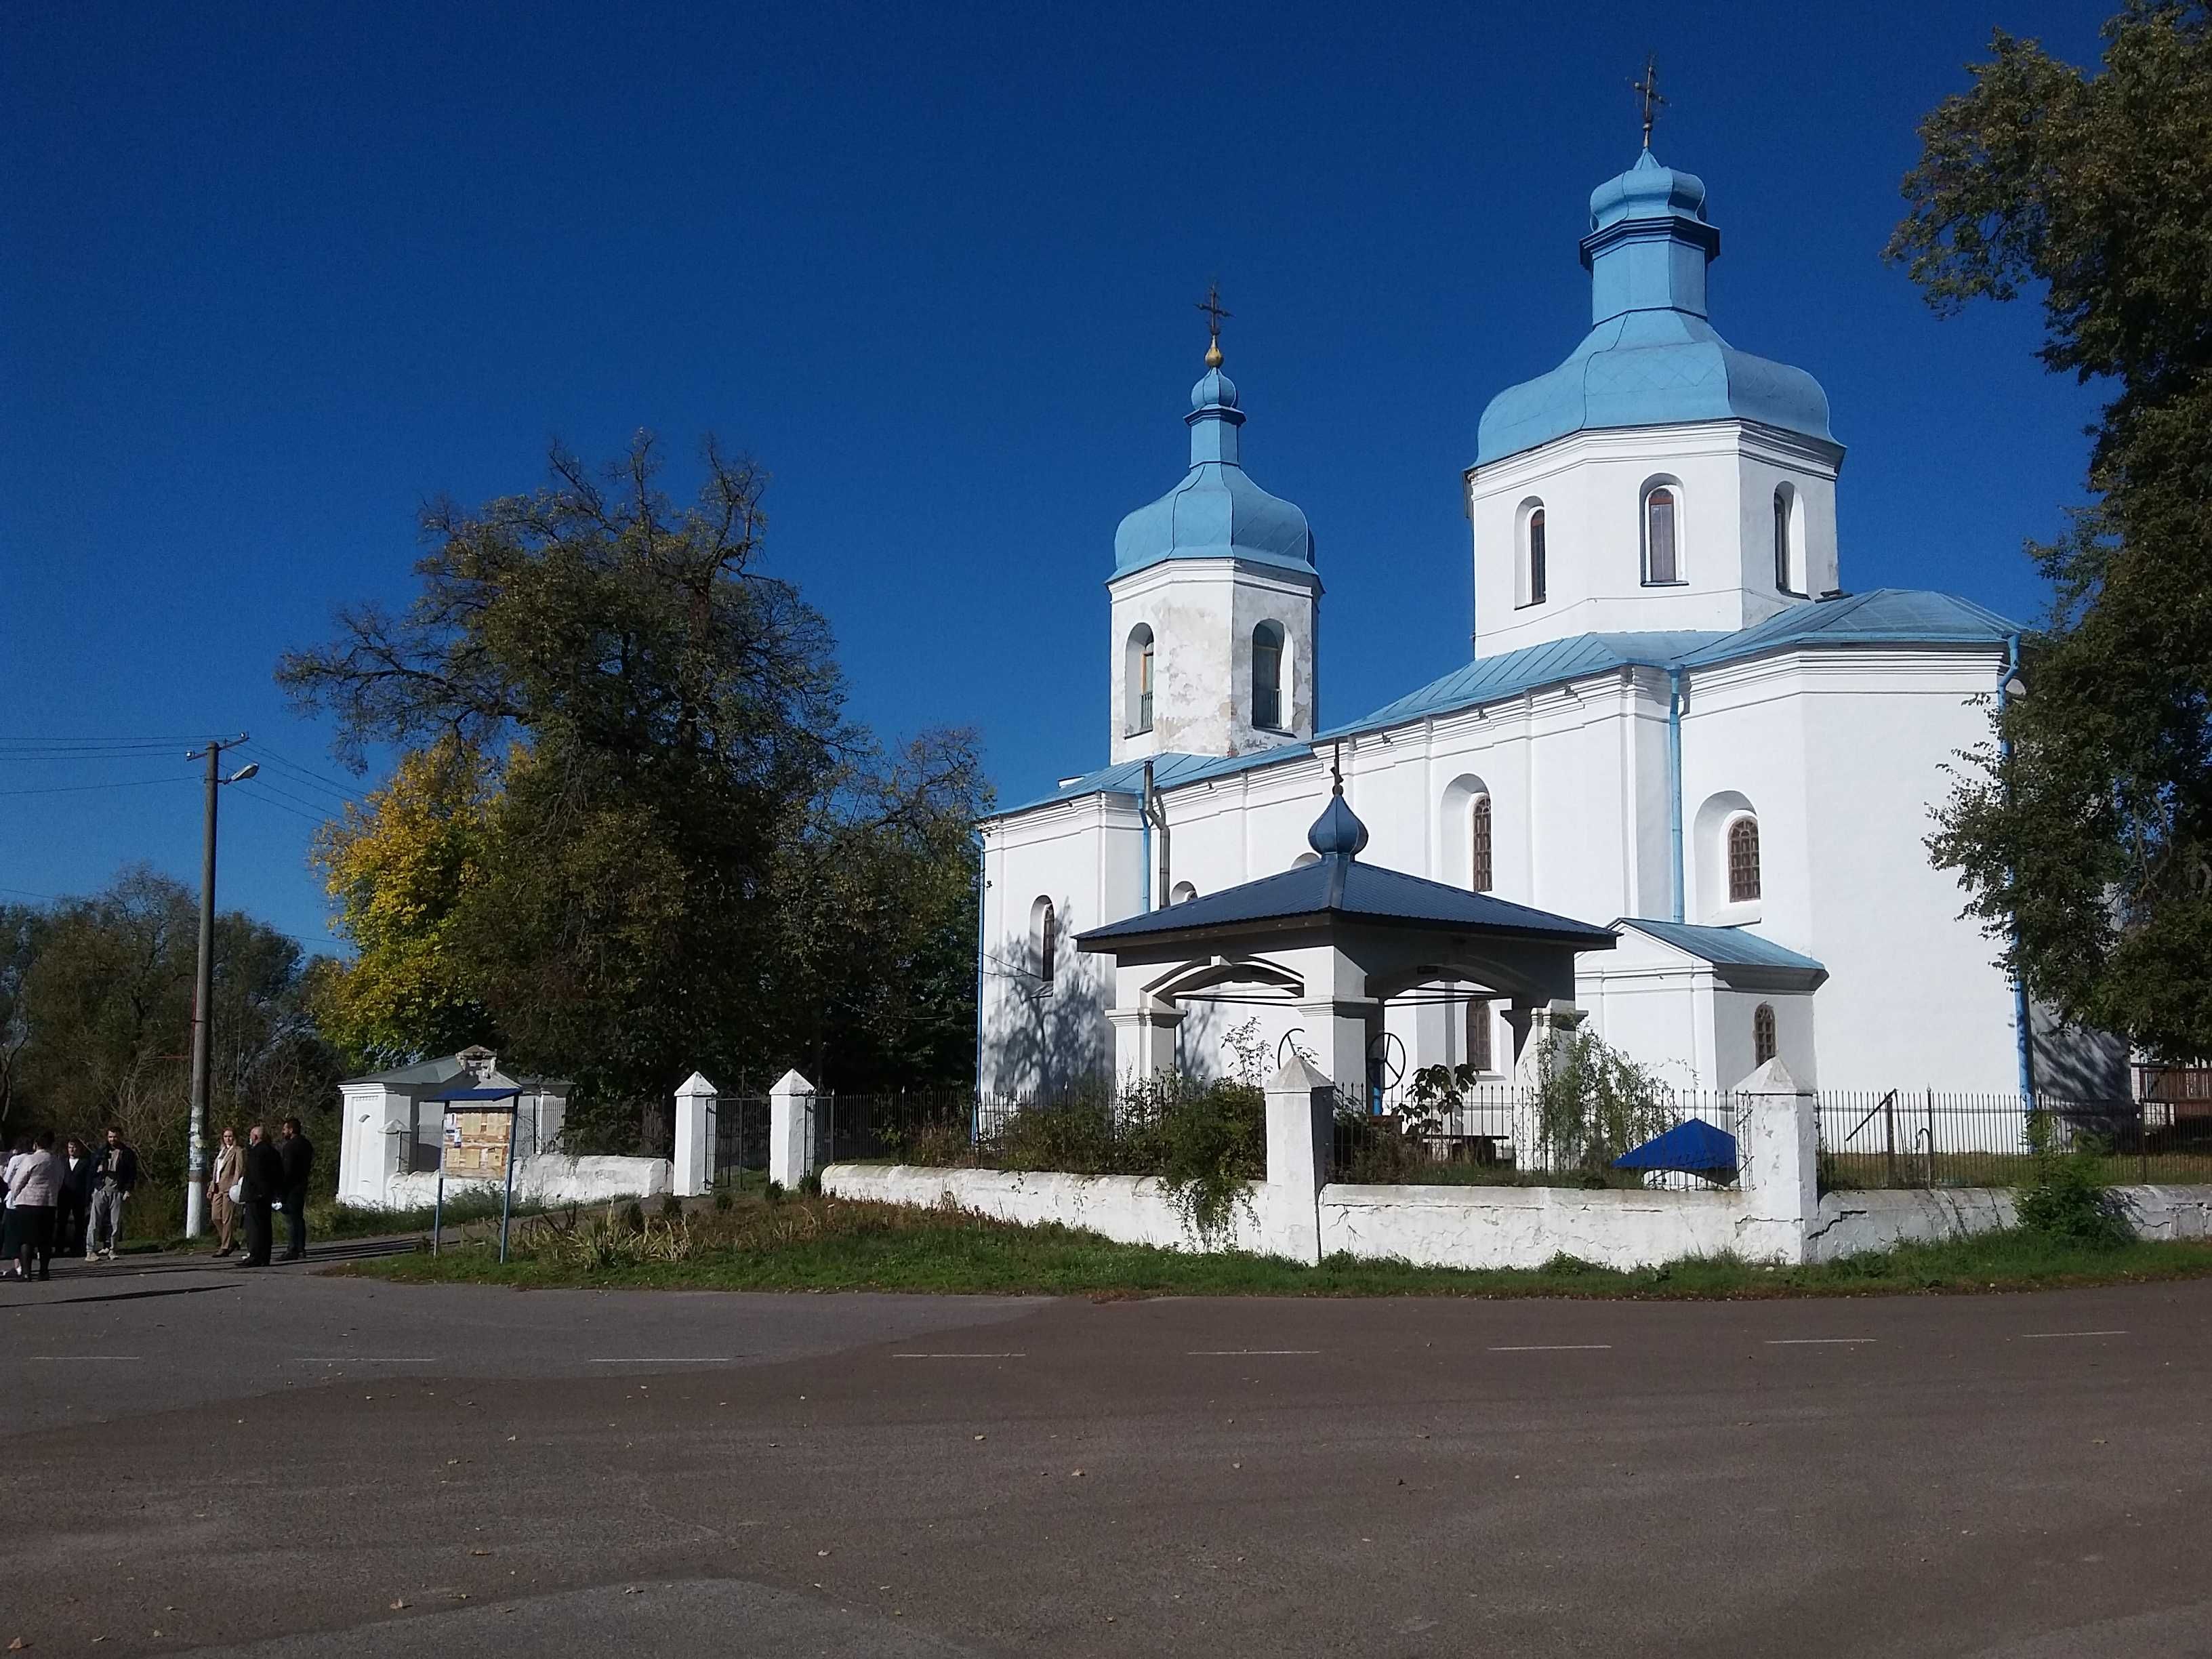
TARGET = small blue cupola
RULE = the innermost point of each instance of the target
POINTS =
(1651, 357)
(1217, 511)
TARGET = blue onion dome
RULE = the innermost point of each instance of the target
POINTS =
(1338, 830)
(1214, 390)
(1652, 357)
(1217, 511)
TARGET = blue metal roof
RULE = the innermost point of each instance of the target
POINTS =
(1487, 680)
(1724, 947)
(1342, 886)
(1650, 358)
(1217, 511)
(1887, 616)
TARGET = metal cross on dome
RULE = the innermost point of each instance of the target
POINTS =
(1211, 306)
(1647, 90)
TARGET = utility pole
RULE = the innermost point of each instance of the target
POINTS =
(203, 989)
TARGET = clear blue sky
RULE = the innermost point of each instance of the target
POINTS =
(275, 274)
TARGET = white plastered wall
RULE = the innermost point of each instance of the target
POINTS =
(1202, 613)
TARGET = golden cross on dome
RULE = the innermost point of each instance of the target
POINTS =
(1647, 90)
(1211, 305)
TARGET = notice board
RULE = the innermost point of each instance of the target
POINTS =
(475, 1142)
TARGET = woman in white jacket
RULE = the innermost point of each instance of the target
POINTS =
(34, 1181)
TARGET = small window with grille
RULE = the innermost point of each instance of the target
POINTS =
(1743, 861)
(1763, 1044)
(1480, 867)
(1478, 1035)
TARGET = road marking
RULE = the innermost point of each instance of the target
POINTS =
(1246, 1353)
(78, 1358)
(1819, 1341)
(2037, 1336)
(960, 1356)
(1555, 1347)
(675, 1360)
(362, 1359)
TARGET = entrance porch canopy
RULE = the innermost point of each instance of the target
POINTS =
(1335, 939)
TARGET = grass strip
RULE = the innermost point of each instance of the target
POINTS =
(831, 1244)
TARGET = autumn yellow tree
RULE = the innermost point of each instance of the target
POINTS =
(400, 868)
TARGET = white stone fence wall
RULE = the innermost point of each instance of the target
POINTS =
(547, 1178)
(1774, 1213)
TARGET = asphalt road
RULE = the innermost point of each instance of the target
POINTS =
(282, 1463)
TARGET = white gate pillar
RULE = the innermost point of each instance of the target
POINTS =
(694, 1136)
(1778, 1148)
(1301, 1122)
(790, 1130)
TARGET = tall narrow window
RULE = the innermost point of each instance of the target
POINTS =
(1743, 861)
(1536, 556)
(1136, 681)
(1479, 866)
(1763, 1045)
(1044, 939)
(1267, 676)
(1660, 563)
(1478, 1035)
(1781, 543)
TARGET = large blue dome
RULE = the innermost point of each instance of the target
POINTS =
(1217, 511)
(1650, 358)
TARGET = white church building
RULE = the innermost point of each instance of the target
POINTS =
(1677, 722)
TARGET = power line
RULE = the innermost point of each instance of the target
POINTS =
(307, 772)
(78, 788)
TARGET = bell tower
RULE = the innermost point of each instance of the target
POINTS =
(1215, 600)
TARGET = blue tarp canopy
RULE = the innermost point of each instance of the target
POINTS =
(1692, 1147)
(477, 1095)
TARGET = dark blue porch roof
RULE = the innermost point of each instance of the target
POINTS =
(1345, 888)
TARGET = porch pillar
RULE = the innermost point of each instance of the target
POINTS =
(1144, 1040)
(1337, 1033)
(1531, 1072)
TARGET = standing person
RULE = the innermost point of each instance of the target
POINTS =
(222, 1209)
(297, 1153)
(112, 1178)
(73, 1208)
(33, 1185)
(261, 1186)
(11, 1230)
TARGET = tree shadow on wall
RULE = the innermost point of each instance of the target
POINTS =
(1040, 1039)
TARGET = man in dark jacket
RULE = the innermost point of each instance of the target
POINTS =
(73, 1208)
(261, 1186)
(113, 1175)
(297, 1153)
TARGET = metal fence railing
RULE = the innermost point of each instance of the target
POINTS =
(1928, 1138)
(1500, 1135)
(736, 1126)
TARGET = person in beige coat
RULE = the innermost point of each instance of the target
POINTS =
(222, 1209)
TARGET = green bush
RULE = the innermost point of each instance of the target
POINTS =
(2065, 1199)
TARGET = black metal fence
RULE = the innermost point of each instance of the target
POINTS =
(1928, 1138)
(738, 1127)
(1500, 1135)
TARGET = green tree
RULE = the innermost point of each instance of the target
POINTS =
(667, 867)
(2086, 822)
(105, 1010)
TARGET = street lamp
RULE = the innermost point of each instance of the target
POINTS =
(203, 988)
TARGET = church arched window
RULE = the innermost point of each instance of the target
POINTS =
(1137, 680)
(1304, 860)
(1763, 1045)
(1479, 864)
(1478, 1035)
(1267, 676)
(1182, 893)
(1743, 861)
(1662, 562)
(1789, 555)
(1532, 553)
(1044, 940)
